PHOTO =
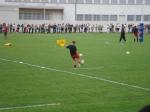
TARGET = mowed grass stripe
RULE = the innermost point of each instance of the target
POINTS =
(83, 75)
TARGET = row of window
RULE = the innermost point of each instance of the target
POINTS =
(39, 16)
(29, 16)
(83, 17)
(88, 17)
(105, 2)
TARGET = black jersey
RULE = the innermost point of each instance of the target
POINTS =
(72, 49)
(122, 31)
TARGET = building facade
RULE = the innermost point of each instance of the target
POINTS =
(75, 11)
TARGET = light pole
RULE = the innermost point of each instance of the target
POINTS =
(44, 13)
(142, 12)
(75, 10)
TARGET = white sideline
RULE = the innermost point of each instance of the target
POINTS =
(83, 75)
(91, 68)
(29, 106)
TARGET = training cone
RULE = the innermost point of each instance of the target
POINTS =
(8, 44)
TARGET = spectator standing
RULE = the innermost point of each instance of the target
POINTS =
(5, 30)
(122, 35)
(135, 32)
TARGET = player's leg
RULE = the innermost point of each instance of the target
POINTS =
(124, 38)
(74, 61)
(77, 62)
(137, 39)
(78, 59)
(5, 35)
(134, 38)
(74, 64)
(120, 39)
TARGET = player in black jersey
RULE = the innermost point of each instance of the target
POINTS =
(74, 54)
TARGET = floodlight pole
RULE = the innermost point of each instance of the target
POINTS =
(44, 18)
(142, 12)
(75, 10)
(44, 13)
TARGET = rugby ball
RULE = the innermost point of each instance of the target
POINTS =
(82, 61)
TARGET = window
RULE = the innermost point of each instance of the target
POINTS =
(79, 17)
(35, 1)
(113, 17)
(105, 17)
(146, 17)
(27, 16)
(39, 16)
(27, 1)
(147, 2)
(17, 0)
(88, 1)
(53, 1)
(131, 2)
(122, 2)
(8, 0)
(71, 1)
(97, 1)
(96, 18)
(130, 17)
(88, 17)
(62, 1)
(105, 1)
(21, 16)
(47, 17)
(138, 17)
(33, 16)
(80, 1)
(139, 2)
(114, 2)
(44, 1)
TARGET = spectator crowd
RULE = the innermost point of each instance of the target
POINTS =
(68, 28)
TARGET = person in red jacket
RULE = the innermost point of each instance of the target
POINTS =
(5, 30)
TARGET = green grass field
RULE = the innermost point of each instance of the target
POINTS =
(109, 81)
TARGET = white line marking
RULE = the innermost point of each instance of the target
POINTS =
(42, 67)
(92, 68)
(29, 106)
(83, 75)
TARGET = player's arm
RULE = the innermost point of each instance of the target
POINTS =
(67, 46)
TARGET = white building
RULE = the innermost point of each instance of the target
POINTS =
(75, 11)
